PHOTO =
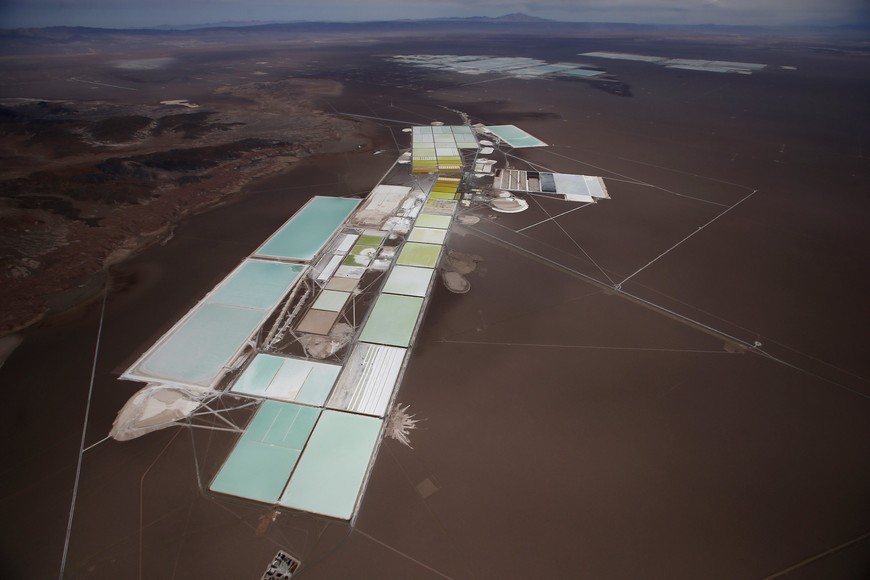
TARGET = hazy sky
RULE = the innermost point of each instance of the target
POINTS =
(133, 13)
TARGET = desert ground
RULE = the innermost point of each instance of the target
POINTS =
(569, 430)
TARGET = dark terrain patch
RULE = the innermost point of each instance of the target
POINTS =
(120, 129)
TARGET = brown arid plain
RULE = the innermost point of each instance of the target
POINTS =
(571, 429)
(89, 180)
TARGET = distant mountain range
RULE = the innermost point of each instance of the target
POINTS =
(514, 17)
(515, 23)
